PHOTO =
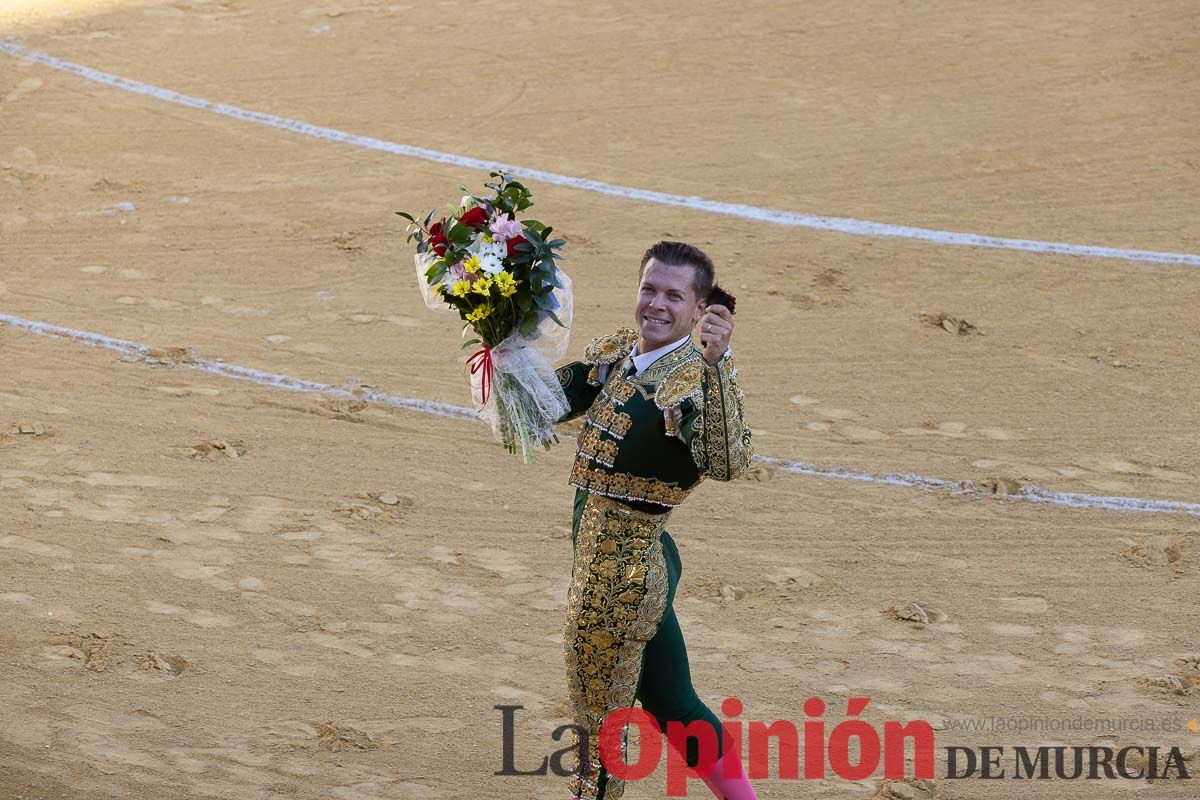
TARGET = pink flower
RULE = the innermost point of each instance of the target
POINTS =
(504, 227)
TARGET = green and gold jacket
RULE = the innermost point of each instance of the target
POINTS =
(651, 438)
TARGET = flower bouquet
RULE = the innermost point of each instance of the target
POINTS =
(499, 273)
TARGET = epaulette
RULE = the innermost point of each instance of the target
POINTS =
(612, 348)
(682, 384)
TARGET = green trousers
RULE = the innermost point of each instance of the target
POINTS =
(664, 686)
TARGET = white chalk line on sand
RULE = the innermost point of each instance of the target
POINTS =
(757, 213)
(219, 367)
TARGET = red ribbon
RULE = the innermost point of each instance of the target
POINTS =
(481, 361)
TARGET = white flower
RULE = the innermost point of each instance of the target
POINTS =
(482, 248)
(467, 202)
(491, 263)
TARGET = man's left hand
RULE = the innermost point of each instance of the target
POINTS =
(716, 327)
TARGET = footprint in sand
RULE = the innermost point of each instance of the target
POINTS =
(444, 555)
(35, 547)
(339, 738)
(49, 612)
(198, 617)
(33, 429)
(403, 320)
(858, 434)
(96, 652)
(1118, 466)
(25, 87)
(312, 348)
(12, 222)
(217, 449)
(916, 789)
(188, 391)
(951, 430)
(1182, 685)
(158, 662)
(1162, 551)
(335, 643)
(792, 579)
(153, 303)
(1018, 471)
(504, 562)
(538, 596)
(917, 611)
(835, 413)
(343, 409)
(289, 663)
(1011, 629)
(232, 309)
(1024, 604)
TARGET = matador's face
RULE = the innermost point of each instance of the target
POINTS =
(667, 306)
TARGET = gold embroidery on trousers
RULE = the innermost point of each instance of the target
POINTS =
(618, 595)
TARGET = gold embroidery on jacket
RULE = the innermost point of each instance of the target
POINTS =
(623, 485)
(617, 597)
(619, 390)
(604, 416)
(611, 348)
(682, 384)
(593, 446)
(726, 437)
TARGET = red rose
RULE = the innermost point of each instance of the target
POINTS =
(475, 218)
(437, 238)
(512, 244)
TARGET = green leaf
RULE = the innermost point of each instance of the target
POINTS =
(406, 215)
(554, 317)
(528, 324)
(470, 342)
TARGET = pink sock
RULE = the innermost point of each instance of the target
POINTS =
(730, 788)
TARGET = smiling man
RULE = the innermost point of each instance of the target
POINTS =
(662, 414)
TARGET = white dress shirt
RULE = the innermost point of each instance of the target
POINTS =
(643, 360)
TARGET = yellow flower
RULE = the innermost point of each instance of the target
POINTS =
(479, 313)
(460, 288)
(482, 286)
(506, 284)
(471, 264)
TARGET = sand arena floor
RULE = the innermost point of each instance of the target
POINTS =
(217, 588)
